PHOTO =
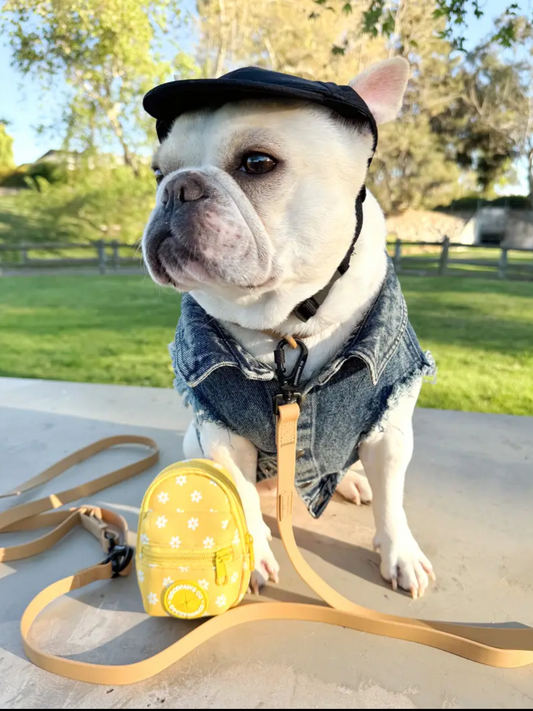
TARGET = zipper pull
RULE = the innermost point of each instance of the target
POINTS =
(220, 565)
(250, 541)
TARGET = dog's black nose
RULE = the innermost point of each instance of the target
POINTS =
(188, 186)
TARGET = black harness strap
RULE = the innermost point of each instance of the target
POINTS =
(308, 308)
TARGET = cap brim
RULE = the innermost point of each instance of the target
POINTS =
(168, 101)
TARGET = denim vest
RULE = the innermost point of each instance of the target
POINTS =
(344, 401)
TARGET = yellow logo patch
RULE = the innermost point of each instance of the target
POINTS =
(185, 600)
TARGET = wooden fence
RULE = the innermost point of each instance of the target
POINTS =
(421, 258)
(441, 259)
(102, 256)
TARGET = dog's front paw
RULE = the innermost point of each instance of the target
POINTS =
(266, 566)
(403, 563)
(355, 487)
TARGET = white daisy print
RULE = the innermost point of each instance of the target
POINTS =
(167, 582)
(180, 511)
(246, 565)
(175, 542)
(236, 539)
(193, 524)
(209, 543)
(234, 577)
(144, 539)
(196, 497)
(203, 584)
(161, 522)
(163, 498)
(183, 569)
(152, 599)
(221, 601)
(181, 480)
(152, 565)
(213, 511)
(225, 524)
(141, 576)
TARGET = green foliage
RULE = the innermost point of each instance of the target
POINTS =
(103, 203)
(470, 203)
(33, 175)
(488, 118)
(380, 18)
(7, 162)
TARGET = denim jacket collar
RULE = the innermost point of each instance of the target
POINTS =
(203, 344)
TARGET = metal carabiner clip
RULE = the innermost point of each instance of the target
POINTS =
(289, 382)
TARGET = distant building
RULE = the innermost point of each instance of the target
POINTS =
(488, 225)
(75, 159)
(71, 159)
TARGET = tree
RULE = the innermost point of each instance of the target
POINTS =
(275, 34)
(492, 117)
(107, 52)
(7, 162)
(414, 165)
(380, 16)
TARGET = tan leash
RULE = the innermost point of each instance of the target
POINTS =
(488, 645)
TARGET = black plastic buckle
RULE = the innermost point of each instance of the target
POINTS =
(120, 557)
(289, 382)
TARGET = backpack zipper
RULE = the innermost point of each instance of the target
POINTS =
(162, 557)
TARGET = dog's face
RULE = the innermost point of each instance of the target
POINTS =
(259, 196)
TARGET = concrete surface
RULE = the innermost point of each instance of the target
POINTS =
(469, 499)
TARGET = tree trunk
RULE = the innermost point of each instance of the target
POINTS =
(530, 176)
(128, 157)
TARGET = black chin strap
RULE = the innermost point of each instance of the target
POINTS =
(308, 308)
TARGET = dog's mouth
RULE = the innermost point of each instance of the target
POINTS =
(183, 269)
(170, 267)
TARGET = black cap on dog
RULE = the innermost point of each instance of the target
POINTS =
(167, 101)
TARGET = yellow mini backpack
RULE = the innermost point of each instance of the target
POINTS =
(194, 551)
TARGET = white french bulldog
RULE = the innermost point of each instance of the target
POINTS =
(269, 189)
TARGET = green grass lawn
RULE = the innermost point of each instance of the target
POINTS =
(115, 329)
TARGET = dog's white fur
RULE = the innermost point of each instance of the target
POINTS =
(288, 233)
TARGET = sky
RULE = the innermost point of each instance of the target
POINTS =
(25, 104)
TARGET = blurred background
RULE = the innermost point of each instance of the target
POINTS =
(454, 174)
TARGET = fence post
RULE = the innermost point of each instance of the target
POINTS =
(443, 262)
(502, 268)
(398, 256)
(115, 255)
(101, 256)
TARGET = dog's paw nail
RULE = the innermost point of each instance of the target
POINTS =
(273, 573)
(394, 584)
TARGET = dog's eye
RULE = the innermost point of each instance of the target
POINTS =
(158, 175)
(256, 163)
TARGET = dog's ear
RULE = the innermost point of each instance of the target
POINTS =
(382, 86)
